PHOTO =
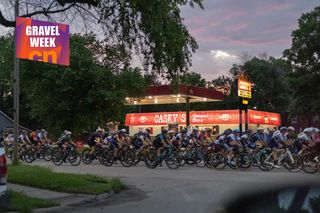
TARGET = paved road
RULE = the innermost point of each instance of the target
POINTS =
(188, 189)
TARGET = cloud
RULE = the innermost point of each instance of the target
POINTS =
(221, 55)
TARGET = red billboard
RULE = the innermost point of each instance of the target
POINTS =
(201, 117)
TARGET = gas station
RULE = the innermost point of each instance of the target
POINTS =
(217, 120)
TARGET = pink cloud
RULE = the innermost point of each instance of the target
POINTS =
(267, 8)
(235, 28)
(246, 41)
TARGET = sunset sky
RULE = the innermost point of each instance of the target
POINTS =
(227, 28)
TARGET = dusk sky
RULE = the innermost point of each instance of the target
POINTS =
(227, 28)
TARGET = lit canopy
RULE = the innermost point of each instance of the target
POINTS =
(164, 94)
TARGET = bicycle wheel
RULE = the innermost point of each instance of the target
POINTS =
(265, 162)
(244, 161)
(29, 155)
(172, 161)
(198, 158)
(311, 164)
(127, 158)
(217, 161)
(86, 156)
(150, 159)
(136, 159)
(57, 158)
(47, 154)
(107, 158)
(294, 164)
(74, 158)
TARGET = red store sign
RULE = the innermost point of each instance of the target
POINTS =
(201, 117)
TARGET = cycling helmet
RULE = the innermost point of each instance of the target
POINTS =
(195, 129)
(259, 129)
(306, 130)
(171, 131)
(291, 128)
(43, 130)
(282, 129)
(68, 133)
(123, 131)
(184, 131)
(316, 130)
(203, 130)
(164, 131)
(147, 130)
(236, 130)
(227, 131)
(99, 129)
(24, 132)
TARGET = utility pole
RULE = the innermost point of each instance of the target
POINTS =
(16, 93)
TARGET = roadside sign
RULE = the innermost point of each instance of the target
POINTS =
(42, 41)
(244, 87)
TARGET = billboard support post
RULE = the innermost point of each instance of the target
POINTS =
(16, 95)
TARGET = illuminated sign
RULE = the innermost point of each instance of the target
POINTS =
(42, 41)
(244, 88)
(201, 117)
(245, 102)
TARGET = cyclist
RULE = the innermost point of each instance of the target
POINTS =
(229, 142)
(161, 141)
(65, 140)
(260, 138)
(24, 139)
(276, 143)
(182, 138)
(117, 140)
(96, 139)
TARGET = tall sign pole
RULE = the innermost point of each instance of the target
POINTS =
(244, 93)
(16, 93)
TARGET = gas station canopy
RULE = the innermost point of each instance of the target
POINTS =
(164, 94)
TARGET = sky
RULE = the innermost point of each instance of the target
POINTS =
(226, 29)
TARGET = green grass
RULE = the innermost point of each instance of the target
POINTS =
(24, 204)
(45, 178)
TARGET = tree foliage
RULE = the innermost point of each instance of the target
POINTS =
(80, 97)
(154, 29)
(193, 79)
(304, 57)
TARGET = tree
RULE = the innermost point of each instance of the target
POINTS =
(304, 57)
(80, 97)
(153, 29)
(193, 79)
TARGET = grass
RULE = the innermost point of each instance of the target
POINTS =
(24, 204)
(45, 178)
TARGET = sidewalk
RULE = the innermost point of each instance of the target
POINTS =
(65, 200)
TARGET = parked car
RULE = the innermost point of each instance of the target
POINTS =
(4, 195)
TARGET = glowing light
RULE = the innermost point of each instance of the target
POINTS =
(150, 97)
(178, 100)
(135, 102)
(155, 101)
(204, 99)
(179, 95)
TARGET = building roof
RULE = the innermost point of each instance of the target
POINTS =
(164, 94)
(7, 123)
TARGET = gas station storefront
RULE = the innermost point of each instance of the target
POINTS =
(217, 120)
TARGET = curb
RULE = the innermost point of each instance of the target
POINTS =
(73, 205)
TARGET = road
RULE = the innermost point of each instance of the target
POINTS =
(187, 189)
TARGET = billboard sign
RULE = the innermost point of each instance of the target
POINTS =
(42, 41)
